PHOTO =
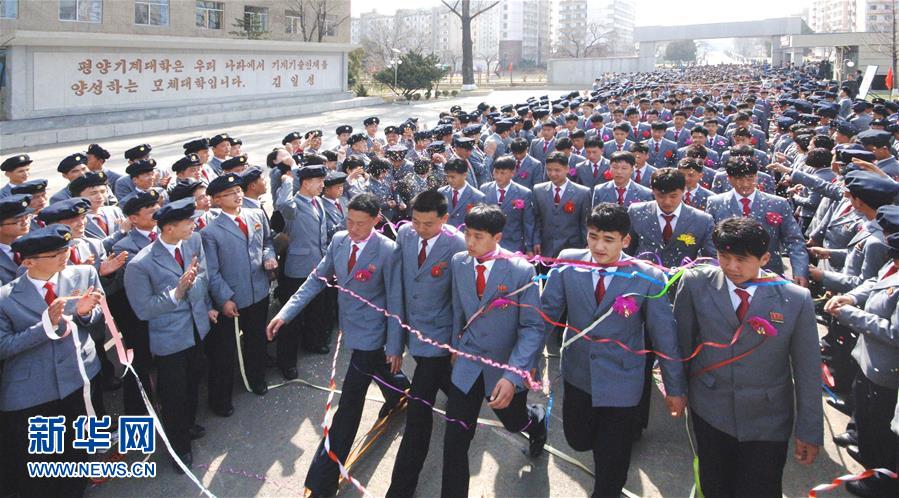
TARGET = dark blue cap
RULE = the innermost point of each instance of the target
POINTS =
(335, 178)
(873, 189)
(139, 200)
(184, 189)
(888, 218)
(140, 167)
(13, 206)
(846, 128)
(183, 209)
(98, 152)
(221, 137)
(89, 179)
(64, 210)
(472, 129)
(138, 151)
(234, 162)
(313, 171)
(13, 162)
(223, 183)
(250, 175)
(71, 161)
(877, 138)
(290, 137)
(35, 186)
(185, 162)
(196, 145)
(47, 239)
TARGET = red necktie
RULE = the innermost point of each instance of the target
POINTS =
(102, 224)
(657, 147)
(891, 270)
(178, 258)
(744, 304)
(152, 236)
(41, 224)
(423, 253)
(74, 257)
(545, 146)
(619, 147)
(746, 211)
(201, 223)
(667, 231)
(687, 198)
(315, 204)
(50, 295)
(339, 209)
(352, 262)
(243, 226)
(502, 195)
(205, 175)
(558, 197)
(481, 280)
(639, 175)
(600, 290)
(517, 165)
(595, 170)
(621, 192)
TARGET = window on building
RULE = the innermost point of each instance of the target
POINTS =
(81, 10)
(210, 14)
(330, 25)
(9, 9)
(255, 18)
(292, 22)
(151, 12)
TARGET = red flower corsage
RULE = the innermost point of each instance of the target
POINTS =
(523, 174)
(625, 306)
(572, 172)
(362, 276)
(518, 204)
(468, 207)
(709, 162)
(501, 288)
(437, 270)
(607, 174)
(668, 154)
(606, 138)
(754, 141)
(646, 134)
(689, 141)
(569, 207)
(773, 218)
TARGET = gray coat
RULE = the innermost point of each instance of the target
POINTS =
(336, 217)
(150, 282)
(9, 270)
(235, 262)
(518, 234)
(584, 173)
(721, 184)
(530, 172)
(834, 232)
(540, 148)
(607, 192)
(610, 148)
(557, 229)
(427, 290)
(867, 252)
(36, 369)
(700, 198)
(376, 277)
(612, 375)
(876, 319)
(646, 234)
(467, 199)
(785, 235)
(507, 334)
(752, 399)
(662, 158)
(308, 229)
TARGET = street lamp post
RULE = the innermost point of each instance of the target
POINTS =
(396, 66)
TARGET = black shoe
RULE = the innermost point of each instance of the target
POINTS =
(197, 431)
(873, 487)
(317, 349)
(845, 439)
(840, 405)
(852, 450)
(537, 434)
(223, 412)
(259, 388)
(111, 383)
(188, 460)
(289, 373)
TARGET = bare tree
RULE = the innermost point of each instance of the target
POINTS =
(592, 42)
(465, 15)
(388, 34)
(489, 59)
(316, 19)
(453, 59)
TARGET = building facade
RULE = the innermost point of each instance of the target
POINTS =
(577, 24)
(835, 16)
(281, 20)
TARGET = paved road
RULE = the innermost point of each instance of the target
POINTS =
(265, 448)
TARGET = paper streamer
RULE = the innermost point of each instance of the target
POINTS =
(72, 330)
(839, 481)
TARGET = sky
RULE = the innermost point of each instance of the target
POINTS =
(649, 12)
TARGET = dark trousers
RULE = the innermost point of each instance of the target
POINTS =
(221, 350)
(431, 374)
(178, 381)
(311, 328)
(843, 367)
(732, 468)
(465, 407)
(874, 409)
(323, 472)
(137, 338)
(17, 430)
(606, 431)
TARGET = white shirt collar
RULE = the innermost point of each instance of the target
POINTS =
(145, 233)
(676, 212)
(462, 190)
(39, 284)
(561, 188)
(751, 197)
(8, 250)
(169, 247)
(360, 244)
(731, 287)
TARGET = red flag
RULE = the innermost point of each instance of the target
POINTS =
(889, 79)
